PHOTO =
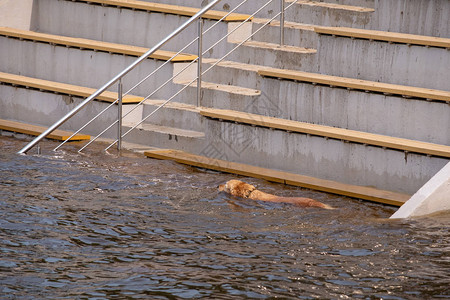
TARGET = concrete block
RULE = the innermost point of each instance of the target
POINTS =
(431, 198)
(17, 14)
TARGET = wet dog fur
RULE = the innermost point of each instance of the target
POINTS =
(244, 190)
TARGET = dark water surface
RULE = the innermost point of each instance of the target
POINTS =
(100, 226)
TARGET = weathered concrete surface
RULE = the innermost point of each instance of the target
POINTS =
(323, 158)
(390, 63)
(17, 14)
(356, 110)
(423, 17)
(433, 197)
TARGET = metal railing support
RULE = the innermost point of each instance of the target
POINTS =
(119, 116)
(282, 8)
(199, 62)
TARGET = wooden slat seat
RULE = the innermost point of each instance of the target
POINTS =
(393, 37)
(92, 44)
(63, 88)
(366, 193)
(357, 84)
(170, 9)
(329, 132)
(35, 130)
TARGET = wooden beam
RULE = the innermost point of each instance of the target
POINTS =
(329, 132)
(170, 9)
(35, 130)
(93, 45)
(357, 84)
(386, 36)
(64, 88)
(366, 193)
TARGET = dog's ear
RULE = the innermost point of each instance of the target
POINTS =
(221, 187)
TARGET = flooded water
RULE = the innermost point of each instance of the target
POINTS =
(102, 226)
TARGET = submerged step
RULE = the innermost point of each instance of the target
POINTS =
(35, 130)
(366, 193)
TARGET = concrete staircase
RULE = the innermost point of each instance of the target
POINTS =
(391, 87)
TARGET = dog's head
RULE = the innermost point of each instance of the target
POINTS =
(237, 188)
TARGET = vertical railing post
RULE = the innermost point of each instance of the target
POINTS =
(119, 116)
(282, 22)
(199, 62)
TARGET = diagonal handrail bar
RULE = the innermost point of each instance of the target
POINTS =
(117, 77)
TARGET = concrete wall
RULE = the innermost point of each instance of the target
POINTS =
(423, 17)
(379, 61)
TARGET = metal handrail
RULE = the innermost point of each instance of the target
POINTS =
(117, 77)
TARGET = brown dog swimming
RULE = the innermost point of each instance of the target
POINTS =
(244, 190)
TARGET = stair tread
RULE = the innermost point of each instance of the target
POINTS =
(387, 36)
(170, 9)
(233, 89)
(36, 130)
(328, 186)
(330, 132)
(93, 44)
(359, 84)
(334, 6)
(169, 130)
(64, 88)
(285, 48)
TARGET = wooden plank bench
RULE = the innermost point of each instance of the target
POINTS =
(92, 44)
(357, 84)
(328, 186)
(329, 132)
(63, 88)
(35, 130)
(386, 36)
(170, 9)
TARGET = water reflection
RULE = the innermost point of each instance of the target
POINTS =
(101, 226)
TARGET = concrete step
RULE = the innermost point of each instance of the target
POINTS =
(220, 95)
(165, 137)
(329, 14)
(295, 34)
(82, 62)
(401, 111)
(173, 114)
(334, 187)
(400, 58)
(350, 157)
(35, 130)
(276, 56)
(362, 3)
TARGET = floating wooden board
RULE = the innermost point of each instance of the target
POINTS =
(330, 132)
(93, 45)
(170, 9)
(63, 88)
(393, 37)
(357, 84)
(328, 186)
(19, 127)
